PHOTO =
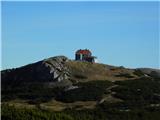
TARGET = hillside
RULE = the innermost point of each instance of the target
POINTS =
(61, 89)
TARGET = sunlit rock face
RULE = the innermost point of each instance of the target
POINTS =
(56, 68)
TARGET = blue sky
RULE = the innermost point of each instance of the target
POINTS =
(118, 33)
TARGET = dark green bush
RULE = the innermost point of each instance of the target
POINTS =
(138, 92)
(87, 91)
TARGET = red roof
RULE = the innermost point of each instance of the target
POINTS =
(86, 51)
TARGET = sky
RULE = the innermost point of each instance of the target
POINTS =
(118, 33)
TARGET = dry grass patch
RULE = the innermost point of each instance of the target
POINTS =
(85, 71)
(18, 103)
(59, 106)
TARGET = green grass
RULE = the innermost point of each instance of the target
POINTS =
(12, 113)
(103, 112)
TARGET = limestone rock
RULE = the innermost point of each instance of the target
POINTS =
(48, 70)
(57, 69)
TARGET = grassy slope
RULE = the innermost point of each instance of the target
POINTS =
(96, 98)
(84, 71)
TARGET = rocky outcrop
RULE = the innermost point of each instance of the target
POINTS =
(58, 71)
(48, 70)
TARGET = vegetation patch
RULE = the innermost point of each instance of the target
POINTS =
(36, 92)
(126, 75)
(138, 72)
(87, 91)
(102, 112)
(138, 93)
(12, 113)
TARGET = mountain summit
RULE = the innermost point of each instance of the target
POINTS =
(60, 68)
(79, 90)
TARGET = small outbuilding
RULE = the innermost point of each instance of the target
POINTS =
(84, 55)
